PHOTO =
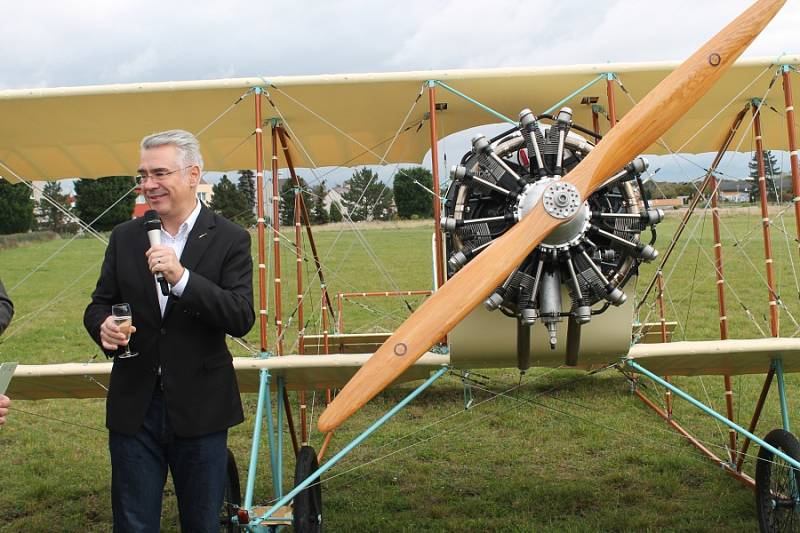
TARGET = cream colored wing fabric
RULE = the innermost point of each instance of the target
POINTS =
(306, 372)
(348, 119)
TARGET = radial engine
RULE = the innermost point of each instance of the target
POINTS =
(593, 254)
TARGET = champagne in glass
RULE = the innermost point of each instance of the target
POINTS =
(123, 318)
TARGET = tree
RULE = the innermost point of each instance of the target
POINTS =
(51, 217)
(287, 200)
(666, 189)
(316, 211)
(229, 202)
(367, 198)
(410, 197)
(16, 208)
(335, 214)
(771, 170)
(95, 196)
(247, 187)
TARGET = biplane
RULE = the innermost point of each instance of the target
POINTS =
(538, 240)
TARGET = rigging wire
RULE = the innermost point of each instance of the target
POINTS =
(723, 224)
(381, 268)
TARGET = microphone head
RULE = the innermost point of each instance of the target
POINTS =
(151, 220)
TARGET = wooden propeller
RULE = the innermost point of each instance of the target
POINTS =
(642, 126)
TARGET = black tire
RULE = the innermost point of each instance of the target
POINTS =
(233, 496)
(776, 481)
(307, 506)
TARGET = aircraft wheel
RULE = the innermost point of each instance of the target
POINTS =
(777, 485)
(307, 506)
(233, 496)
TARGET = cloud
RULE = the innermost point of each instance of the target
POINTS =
(57, 43)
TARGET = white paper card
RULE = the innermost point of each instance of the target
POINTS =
(6, 372)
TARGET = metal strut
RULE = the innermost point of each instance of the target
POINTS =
(739, 429)
(347, 449)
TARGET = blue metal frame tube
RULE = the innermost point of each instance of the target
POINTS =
(251, 471)
(574, 94)
(273, 453)
(358, 440)
(477, 103)
(633, 364)
(279, 458)
(505, 118)
(777, 364)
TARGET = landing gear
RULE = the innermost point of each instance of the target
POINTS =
(307, 506)
(233, 497)
(777, 485)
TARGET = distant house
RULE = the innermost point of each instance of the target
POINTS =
(336, 194)
(140, 206)
(734, 191)
(36, 191)
(668, 202)
(205, 191)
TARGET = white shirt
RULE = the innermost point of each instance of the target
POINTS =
(177, 243)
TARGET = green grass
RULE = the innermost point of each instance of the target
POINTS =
(568, 452)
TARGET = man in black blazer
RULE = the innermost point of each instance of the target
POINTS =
(6, 312)
(170, 406)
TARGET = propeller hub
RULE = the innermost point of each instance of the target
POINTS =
(561, 201)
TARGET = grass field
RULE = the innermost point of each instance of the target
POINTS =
(562, 452)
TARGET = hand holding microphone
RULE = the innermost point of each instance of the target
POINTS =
(161, 259)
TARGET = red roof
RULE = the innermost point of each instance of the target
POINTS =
(139, 209)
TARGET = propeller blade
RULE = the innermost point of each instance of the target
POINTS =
(642, 126)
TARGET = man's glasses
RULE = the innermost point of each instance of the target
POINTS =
(158, 175)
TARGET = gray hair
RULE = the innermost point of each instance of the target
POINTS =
(187, 145)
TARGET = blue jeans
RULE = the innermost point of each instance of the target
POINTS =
(139, 470)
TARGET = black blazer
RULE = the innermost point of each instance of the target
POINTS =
(188, 343)
(6, 309)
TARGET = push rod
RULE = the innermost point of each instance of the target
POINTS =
(276, 241)
(612, 102)
(765, 222)
(723, 315)
(298, 247)
(437, 197)
(262, 263)
(326, 350)
(792, 137)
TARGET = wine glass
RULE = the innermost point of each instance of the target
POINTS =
(123, 318)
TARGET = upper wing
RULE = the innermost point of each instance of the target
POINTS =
(351, 119)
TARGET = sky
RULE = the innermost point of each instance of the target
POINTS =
(66, 43)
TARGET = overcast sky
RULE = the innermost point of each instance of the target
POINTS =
(61, 43)
(64, 43)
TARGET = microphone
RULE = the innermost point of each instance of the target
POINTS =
(152, 224)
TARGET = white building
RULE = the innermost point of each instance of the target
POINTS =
(336, 195)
